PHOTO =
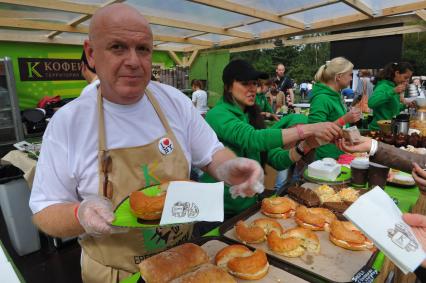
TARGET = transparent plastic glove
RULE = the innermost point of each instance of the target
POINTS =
(244, 175)
(95, 214)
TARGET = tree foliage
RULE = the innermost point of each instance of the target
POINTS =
(414, 51)
(301, 62)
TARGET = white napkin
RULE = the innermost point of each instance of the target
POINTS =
(191, 201)
(377, 216)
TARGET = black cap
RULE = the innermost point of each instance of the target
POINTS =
(240, 70)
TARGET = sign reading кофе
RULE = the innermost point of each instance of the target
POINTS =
(44, 69)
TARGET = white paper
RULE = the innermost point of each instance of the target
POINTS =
(378, 217)
(7, 273)
(191, 201)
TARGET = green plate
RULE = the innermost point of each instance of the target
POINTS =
(344, 177)
(125, 218)
(132, 279)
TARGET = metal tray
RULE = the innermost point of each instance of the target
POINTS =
(333, 264)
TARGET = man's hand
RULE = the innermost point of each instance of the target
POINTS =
(244, 175)
(419, 175)
(400, 88)
(325, 131)
(352, 116)
(418, 224)
(95, 215)
(363, 146)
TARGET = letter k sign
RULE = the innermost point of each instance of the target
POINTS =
(32, 70)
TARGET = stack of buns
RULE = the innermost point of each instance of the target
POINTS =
(184, 263)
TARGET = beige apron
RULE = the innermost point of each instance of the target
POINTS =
(121, 171)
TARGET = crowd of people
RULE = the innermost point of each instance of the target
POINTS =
(107, 142)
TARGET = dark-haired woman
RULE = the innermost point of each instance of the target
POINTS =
(237, 121)
(387, 99)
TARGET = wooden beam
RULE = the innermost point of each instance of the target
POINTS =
(175, 58)
(55, 5)
(252, 12)
(91, 9)
(359, 6)
(196, 26)
(357, 34)
(308, 7)
(334, 37)
(183, 40)
(39, 25)
(16, 37)
(268, 45)
(78, 20)
(72, 23)
(421, 14)
(192, 58)
(406, 8)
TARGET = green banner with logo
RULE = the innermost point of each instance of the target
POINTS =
(32, 87)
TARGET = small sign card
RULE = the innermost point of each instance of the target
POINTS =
(378, 217)
(191, 201)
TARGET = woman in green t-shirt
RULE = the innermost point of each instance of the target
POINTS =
(327, 103)
(238, 124)
(388, 99)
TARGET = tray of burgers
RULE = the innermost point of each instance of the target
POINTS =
(213, 259)
(311, 239)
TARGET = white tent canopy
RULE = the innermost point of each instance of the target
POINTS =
(193, 25)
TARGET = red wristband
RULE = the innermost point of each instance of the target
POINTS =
(300, 132)
(341, 121)
(75, 211)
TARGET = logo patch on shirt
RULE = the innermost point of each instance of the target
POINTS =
(165, 145)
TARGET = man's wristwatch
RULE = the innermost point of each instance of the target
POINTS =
(299, 148)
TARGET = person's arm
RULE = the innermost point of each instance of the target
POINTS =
(218, 158)
(280, 99)
(352, 116)
(244, 175)
(386, 154)
(58, 220)
(194, 99)
(291, 93)
(379, 97)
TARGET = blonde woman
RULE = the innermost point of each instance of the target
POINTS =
(327, 104)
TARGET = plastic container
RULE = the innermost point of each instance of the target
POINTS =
(377, 175)
(14, 198)
(359, 170)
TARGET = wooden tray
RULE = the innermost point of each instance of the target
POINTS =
(332, 264)
(278, 271)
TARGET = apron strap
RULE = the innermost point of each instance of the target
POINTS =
(160, 113)
(154, 102)
(101, 128)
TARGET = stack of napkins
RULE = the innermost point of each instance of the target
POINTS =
(191, 201)
(377, 216)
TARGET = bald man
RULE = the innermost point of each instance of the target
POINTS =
(125, 133)
(284, 83)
